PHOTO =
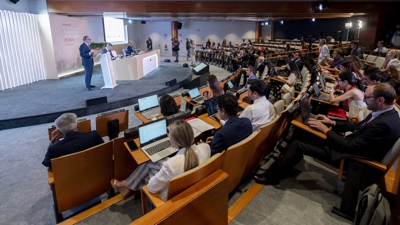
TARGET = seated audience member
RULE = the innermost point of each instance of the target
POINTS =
(372, 139)
(380, 48)
(294, 76)
(391, 60)
(168, 105)
(330, 39)
(337, 59)
(371, 76)
(261, 111)
(347, 66)
(130, 50)
(355, 50)
(261, 65)
(158, 174)
(216, 90)
(108, 48)
(234, 130)
(297, 57)
(72, 142)
(353, 97)
(251, 73)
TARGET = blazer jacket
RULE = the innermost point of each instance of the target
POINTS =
(72, 142)
(233, 131)
(371, 141)
(84, 51)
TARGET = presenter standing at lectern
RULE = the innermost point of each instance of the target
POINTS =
(87, 60)
(149, 43)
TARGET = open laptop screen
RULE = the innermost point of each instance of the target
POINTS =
(148, 102)
(152, 131)
(230, 85)
(194, 93)
(316, 89)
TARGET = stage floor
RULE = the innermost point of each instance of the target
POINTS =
(43, 101)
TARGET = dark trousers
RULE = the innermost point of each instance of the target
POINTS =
(88, 74)
(297, 149)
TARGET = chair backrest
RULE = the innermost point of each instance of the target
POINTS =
(392, 155)
(189, 178)
(102, 122)
(83, 127)
(124, 51)
(114, 53)
(286, 98)
(292, 92)
(82, 176)
(379, 62)
(257, 152)
(371, 58)
(279, 106)
(236, 158)
(204, 89)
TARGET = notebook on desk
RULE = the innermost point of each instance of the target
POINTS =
(154, 140)
(148, 106)
(195, 96)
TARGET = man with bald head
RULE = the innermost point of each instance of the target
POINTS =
(130, 50)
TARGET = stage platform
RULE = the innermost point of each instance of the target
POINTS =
(43, 101)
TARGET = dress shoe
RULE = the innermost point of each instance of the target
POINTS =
(124, 191)
(92, 86)
(89, 89)
(265, 178)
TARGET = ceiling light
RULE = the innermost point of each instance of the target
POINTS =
(313, 19)
(130, 21)
(281, 21)
(267, 23)
(359, 25)
(262, 24)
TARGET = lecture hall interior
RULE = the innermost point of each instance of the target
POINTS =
(42, 77)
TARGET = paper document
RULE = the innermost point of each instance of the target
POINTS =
(199, 126)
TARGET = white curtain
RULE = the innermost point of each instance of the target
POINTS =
(21, 60)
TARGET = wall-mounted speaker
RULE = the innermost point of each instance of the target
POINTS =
(14, 1)
(178, 25)
(143, 22)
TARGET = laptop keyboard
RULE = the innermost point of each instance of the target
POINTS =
(199, 99)
(324, 97)
(214, 118)
(151, 112)
(159, 147)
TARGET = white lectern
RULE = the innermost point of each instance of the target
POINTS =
(108, 71)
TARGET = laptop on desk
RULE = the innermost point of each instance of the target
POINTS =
(154, 140)
(148, 106)
(324, 86)
(305, 111)
(319, 95)
(195, 96)
(231, 89)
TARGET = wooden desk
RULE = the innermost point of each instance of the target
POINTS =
(144, 119)
(138, 155)
(188, 99)
(298, 122)
(326, 102)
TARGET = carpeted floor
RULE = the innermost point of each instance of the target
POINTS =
(26, 198)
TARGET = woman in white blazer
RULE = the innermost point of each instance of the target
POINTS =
(158, 174)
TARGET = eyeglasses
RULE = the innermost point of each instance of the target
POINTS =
(367, 97)
(89, 39)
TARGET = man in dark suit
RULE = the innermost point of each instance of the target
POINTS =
(149, 44)
(73, 141)
(297, 60)
(260, 66)
(109, 49)
(234, 130)
(87, 60)
(130, 49)
(371, 138)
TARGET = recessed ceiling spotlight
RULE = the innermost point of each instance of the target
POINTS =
(262, 24)
(267, 23)
(130, 21)
(281, 21)
(313, 19)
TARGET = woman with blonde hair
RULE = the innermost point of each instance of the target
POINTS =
(158, 174)
(391, 60)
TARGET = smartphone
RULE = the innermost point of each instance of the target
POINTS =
(132, 145)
